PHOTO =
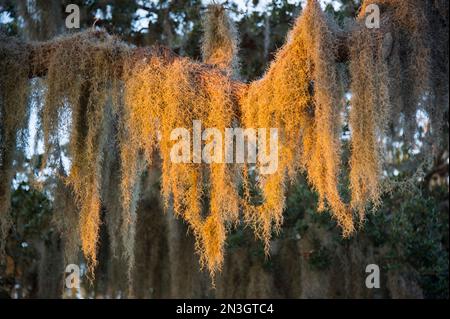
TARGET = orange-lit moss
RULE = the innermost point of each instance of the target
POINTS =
(300, 94)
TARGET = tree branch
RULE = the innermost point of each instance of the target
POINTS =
(40, 52)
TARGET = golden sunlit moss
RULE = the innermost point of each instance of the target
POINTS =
(300, 95)
(161, 97)
(137, 141)
(14, 112)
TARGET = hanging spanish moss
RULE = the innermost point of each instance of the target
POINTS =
(66, 221)
(300, 94)
(369, 111)
(220, 40)
(14, 112)
(157, 93)
(417, 65)
(121, 107)
(111, 179)
(82, 73)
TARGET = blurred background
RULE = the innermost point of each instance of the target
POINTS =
(408, 237)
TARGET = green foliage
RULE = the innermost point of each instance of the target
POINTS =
(375, 228)
(28, 243)
(418, 231)
(280, 16)
(320, 257)
(236, 238)
(33, 209)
